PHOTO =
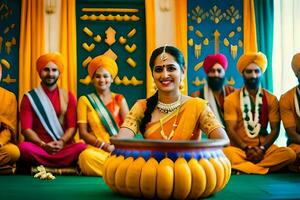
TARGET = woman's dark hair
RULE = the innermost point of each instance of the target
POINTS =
(152, 101)
(176, 53)
(151, 104)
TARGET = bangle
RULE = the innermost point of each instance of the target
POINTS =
(102, 145)
(97, 143)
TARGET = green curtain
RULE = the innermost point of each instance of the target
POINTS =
(264, 14)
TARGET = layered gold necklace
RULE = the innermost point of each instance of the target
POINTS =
(168, 108)
(174, 126)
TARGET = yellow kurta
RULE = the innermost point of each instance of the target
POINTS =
(194, 115)
(289, 116)
(273, 156)
(9, 152)
(91, 160)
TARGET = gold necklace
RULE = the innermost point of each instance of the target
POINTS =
(162, 132)
(167, 108)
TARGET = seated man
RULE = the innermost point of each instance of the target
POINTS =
(248, 111)
(215, 90)
(290, 114)
(48, 119)
(9, 152)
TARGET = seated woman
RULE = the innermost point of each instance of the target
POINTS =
(99, 115)
(169, 115)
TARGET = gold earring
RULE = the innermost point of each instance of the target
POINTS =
(181, 85)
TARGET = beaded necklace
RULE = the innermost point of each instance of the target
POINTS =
(252, 125)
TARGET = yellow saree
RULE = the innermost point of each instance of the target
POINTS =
(193, 117)
(91, 160)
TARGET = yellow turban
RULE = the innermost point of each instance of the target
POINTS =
(248, 58)
(296, 62)
(56, 58)
(103, 61)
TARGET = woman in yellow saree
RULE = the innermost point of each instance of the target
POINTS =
(99, 115)
(169, 115)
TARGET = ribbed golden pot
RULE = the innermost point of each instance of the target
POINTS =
(167, 169)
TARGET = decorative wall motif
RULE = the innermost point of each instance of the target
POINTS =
(9, 44)
(214, 27)
(117, 29)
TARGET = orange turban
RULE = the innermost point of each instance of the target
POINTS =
(103, 61)
(248, 58)
(296, 62)
(56, 58)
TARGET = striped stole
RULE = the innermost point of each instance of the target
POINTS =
(105, 116)
(209, 96)
(44, 110)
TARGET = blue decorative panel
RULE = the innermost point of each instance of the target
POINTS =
(214, 27)
(116, 28)
(9, 44)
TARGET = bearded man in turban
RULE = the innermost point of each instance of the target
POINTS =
(48, 119)
(290, 114)
(247, 113)
(215, 91)
(9, 152)
(99, 114)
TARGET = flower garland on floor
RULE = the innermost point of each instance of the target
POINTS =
(296, 101)
(252, 126)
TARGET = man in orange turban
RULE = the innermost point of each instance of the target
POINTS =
(105, 62)
(247, 113)
(215, 91)
(9, 152)
(48, 119)
(258, 58)
(290, 114)
(55, 58)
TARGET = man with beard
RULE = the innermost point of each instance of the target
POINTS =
(48, 119)
(215, 91)
(247, 113)
(290, 114)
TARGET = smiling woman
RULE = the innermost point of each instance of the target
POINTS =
(168, 114)
(99, 115)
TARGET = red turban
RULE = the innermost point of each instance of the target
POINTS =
(212, 59)
(105, 62)
(56, 58)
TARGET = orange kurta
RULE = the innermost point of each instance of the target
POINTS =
(289, 116)
(273, 156)
(9, 153)
(194, 115)
(91, 160)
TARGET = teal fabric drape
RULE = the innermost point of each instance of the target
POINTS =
(264, 14)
